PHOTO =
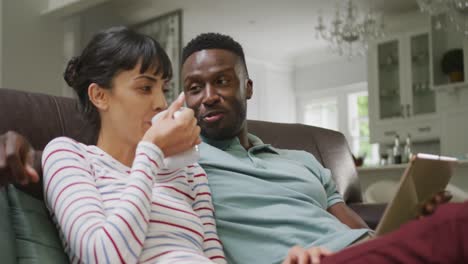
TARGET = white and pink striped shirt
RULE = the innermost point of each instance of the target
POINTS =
(109, 213)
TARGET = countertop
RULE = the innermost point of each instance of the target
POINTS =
(461, 163)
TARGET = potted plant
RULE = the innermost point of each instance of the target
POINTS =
(452, 65)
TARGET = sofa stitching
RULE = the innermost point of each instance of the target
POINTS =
(62, 127)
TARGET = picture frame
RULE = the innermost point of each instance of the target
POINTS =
(167, 30)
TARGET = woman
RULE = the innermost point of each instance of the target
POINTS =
(115, 202)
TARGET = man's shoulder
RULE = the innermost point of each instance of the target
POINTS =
(303, 157)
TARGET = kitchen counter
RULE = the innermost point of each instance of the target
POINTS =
(379, 183)
(461, 164)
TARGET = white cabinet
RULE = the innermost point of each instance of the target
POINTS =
(454, 141)
(401, 100)
(453, 105)
(448, 40)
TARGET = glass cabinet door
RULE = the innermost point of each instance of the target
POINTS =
(423, 101)
(389, 80)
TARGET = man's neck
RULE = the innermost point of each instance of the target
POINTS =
(244, 139)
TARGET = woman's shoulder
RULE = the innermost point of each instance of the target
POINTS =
(65, 145)
(66, 142)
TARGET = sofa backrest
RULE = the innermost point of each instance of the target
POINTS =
(40, 118)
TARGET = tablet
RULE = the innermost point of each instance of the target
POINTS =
(425, 176)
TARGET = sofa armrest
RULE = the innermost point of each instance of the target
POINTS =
(370, 213)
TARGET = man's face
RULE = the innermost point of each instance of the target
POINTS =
(217, 88)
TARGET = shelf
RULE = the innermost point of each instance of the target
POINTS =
(451, 87)
(69, 7)
(423, 93)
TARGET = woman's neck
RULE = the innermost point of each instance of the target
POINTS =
(116, 146)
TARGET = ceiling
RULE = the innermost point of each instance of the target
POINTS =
(274, 31)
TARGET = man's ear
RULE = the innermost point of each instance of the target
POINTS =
(248, 88)
(98, 96)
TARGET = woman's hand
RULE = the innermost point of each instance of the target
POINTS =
(430, 206)
(299, 255)
(175, 135)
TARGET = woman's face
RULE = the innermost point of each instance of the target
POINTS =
(133, 100)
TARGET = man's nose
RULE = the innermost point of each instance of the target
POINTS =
(211, 95)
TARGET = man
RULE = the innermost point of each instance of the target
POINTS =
(268, 200)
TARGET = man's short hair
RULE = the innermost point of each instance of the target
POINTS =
(213, 41)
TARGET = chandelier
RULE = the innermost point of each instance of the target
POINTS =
(456, 10)
(349, 34)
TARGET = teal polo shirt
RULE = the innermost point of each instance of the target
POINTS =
(268, 200)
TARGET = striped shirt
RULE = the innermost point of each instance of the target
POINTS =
(107, 212)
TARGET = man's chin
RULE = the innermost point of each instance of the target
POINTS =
(216, 133)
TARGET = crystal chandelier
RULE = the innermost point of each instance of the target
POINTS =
(348, 34)
(456, 10)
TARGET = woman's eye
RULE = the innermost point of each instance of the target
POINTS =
(146, 88)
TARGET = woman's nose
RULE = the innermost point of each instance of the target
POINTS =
(159, 102)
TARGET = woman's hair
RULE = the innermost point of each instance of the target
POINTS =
(108, 53)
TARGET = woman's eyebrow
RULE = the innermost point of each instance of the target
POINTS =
(148, 77)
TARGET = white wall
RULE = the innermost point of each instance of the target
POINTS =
(274, 95)
(31, 48)
(316, 77)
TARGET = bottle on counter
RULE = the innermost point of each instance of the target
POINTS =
(397, 150)
(406, 157)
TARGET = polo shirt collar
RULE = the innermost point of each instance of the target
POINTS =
(225, 144)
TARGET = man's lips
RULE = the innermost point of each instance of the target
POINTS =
(212, 117)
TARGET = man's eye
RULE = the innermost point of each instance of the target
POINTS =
(222, 81)
(195, 88)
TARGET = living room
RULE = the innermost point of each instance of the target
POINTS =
(389, 76)
(289, 61)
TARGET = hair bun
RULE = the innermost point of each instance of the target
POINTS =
(71, 71)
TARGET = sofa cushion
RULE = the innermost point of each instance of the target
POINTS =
(7, 234)
(37, 239)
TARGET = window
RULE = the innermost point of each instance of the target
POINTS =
(358, 121)
(344, 109)
(322, 113)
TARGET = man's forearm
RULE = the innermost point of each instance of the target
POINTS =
(34, 188)
(347, 216)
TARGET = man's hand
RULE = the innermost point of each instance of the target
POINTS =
(430, 206)
(299, 255)
(16, 160)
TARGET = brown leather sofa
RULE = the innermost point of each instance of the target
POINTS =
(40, 118)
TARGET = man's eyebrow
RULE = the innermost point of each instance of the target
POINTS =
(217, 71)
(151, 78)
